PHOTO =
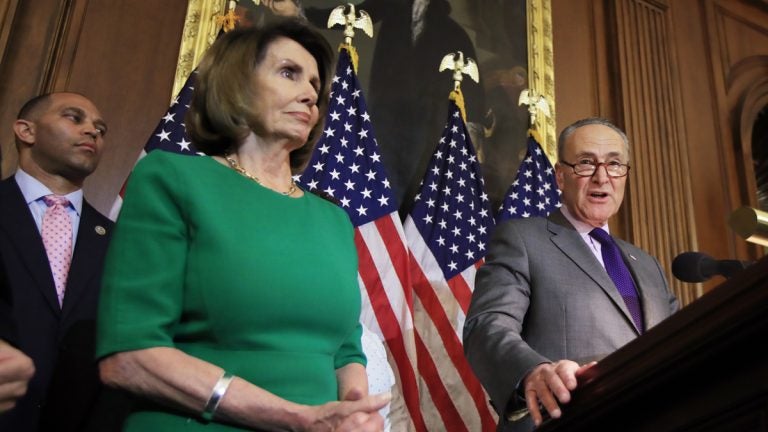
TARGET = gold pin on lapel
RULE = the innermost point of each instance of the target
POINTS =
(100, 230)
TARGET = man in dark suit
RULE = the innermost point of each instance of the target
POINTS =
(52, 304)
(548, 301)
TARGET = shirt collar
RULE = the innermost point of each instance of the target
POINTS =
(32, 190)
(581, 227)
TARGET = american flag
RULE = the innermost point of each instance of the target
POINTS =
(447, 233)
(346, 166)
(169, 135)
(534, 191)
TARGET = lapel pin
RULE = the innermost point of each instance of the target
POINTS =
(633, 257)
(100, 230)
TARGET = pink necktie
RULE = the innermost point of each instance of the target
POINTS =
(57, 238)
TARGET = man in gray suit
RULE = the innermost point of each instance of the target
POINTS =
(544, 306)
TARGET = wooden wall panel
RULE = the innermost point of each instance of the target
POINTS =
(659, 197)
(120, 53)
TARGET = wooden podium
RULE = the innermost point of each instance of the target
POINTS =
(703, 369)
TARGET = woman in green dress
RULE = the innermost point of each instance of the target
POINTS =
(230, 297)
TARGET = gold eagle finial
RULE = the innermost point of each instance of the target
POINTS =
(535, 102)
(459, 65)
(351, 21)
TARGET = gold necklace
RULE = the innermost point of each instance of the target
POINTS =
(236, 166)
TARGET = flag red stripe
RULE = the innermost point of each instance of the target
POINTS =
(391, 330)
(398, 253)
(451, 343)
(461, 290)
(439, 395)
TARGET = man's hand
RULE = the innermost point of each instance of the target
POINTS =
(16, 369)
(551, 384)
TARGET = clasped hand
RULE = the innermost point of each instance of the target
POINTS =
(355, 413)
(550, 384)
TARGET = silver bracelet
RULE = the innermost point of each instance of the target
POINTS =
(219, 389)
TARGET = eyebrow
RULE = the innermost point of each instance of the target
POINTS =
(594, 155)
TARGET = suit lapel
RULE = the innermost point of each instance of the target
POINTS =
(18, 224)
(91, 241)
(569, 241)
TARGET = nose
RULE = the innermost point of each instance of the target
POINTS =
(308, 95)
(93, 132)
(601, 173)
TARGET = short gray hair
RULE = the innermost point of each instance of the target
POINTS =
(570, 129)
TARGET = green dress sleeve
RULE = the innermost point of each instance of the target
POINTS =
(352, 350)
(142, 286)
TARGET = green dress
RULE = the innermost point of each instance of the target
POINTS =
(210, 262)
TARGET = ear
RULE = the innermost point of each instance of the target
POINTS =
(24, 131)
(559, 175)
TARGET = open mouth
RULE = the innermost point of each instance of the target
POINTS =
(598, 194)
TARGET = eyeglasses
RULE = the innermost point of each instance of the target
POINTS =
(587, 168)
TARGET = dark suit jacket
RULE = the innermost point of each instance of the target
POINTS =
(60, 341)
(543, 296)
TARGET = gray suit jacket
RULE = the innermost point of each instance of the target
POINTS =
(543, 296)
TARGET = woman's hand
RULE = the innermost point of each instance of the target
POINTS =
(349, 415)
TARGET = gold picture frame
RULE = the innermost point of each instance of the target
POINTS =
(203, 23)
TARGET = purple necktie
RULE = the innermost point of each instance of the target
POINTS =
(619, 273)
(57, 239)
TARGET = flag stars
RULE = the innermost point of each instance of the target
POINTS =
(352, 111)
(184, 144)
(345, 202)
(334, 175)
(329, 131)
(340, 100)
(339, 158)
(324, 148)
(358, 151)
(454, 248)
(350, 184)
(427, 219)
(362, 211)
(164, 135)
(363, 133)
(366, 193)
(169, 117)
(335, 116)
(329, 191)
(384, 201)
(371, 175)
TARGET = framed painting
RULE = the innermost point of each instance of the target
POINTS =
(510, 41)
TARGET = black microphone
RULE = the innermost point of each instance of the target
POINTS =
(699, 267)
